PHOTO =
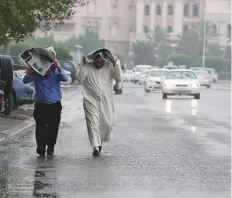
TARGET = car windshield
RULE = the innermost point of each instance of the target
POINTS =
(201, 72)
(141, 69)
(158, 73)
(181, 75)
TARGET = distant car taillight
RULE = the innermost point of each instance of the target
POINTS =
(1, 98)
(206, 77)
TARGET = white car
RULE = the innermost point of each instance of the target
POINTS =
(181, 82)
(204, 77)
(69, 78)
(143, 77)
(155, 79)
(127, 76)
(212, 72)
(138, 70)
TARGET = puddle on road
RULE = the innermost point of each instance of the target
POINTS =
(169, 106)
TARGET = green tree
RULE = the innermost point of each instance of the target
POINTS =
(20, 18)
(179, 59)
(191, 43)
(143, 53)
(90, 41)
(62, 54)
(214, 49)
(217, 63)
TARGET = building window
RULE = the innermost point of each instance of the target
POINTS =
(145, 29)
(170, 10)
(158, 10)
(185, 29)
(169, 29)
(186, 10)
(228, 30)
(147, 10)
(195, 10)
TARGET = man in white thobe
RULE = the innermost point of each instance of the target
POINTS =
(97, 80)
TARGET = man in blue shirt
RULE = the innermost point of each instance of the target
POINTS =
(47, 112)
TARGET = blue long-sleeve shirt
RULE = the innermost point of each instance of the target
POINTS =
(47, 88)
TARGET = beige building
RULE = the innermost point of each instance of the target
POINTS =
(218, 12)
(120, 22)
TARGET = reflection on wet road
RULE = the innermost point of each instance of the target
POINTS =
(159, 148)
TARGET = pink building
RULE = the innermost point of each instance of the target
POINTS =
(120, 22)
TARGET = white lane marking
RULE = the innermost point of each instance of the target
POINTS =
(22, 129)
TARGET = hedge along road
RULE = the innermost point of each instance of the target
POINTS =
(22, 118)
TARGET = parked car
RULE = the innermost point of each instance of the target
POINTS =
(6, 79)
(21, 93)
(2, 100)
(181, 82)
(69, 66)
(117, 86)
(155, 79)
(204, 77)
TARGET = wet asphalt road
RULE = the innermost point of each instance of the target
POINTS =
(159, 148)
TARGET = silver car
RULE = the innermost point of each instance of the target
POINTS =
(204, 77)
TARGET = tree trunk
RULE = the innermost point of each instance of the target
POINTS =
(6, 47)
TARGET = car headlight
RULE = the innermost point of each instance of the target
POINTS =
(167, 85)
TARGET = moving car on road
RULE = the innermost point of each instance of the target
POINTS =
(204, 77)
(155, 79)
(181, 82)
(212, 72)
(143, 77)
(138, 70)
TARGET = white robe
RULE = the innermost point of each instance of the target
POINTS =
(98, 100)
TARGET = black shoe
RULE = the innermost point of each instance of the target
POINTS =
(50, 150)
(100, 148)
(96, 153)
(41, 150)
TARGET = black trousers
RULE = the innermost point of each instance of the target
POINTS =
(47, 118)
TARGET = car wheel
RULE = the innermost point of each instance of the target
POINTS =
(6, 68)
(208, 86)
(165, 96)
(197, 96)
(9, 105)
